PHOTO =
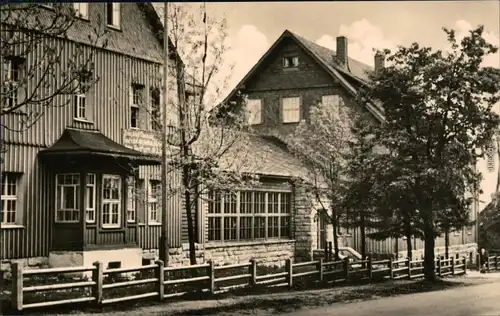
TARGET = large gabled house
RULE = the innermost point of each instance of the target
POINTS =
(296, 74)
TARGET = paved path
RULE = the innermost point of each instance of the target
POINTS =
(476, 300)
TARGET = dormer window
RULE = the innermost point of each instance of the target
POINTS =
(113, 14)
(290, 61)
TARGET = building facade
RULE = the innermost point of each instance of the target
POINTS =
(296, 74)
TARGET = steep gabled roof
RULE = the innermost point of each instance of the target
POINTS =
(350, 76)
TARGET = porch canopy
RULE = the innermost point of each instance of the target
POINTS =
(88, 146)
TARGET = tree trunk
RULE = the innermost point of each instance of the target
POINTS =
(362, 228)
(189, 214)
(447, 242)
(408, 235)
(335, 233)
(429, 244)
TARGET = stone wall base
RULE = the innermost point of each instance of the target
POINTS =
(27, 263)
(267, 253)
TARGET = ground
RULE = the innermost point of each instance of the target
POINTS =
(462, 293)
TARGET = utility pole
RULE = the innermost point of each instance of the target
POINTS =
(163, 251)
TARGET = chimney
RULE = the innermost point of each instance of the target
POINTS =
(342, 50)
(379, 61)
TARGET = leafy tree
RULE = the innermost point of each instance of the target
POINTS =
(439, 121)
(322, 143)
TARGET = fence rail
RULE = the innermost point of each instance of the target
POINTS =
(492, 263)
(314, 271)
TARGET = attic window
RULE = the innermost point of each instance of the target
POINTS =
(290, 61)
(113, 14)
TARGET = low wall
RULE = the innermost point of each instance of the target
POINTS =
(268, 253)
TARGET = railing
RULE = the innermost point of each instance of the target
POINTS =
(492, 263)
(162, 280)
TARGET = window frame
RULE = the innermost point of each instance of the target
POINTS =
(251, 110)
(257, 210)
(132, 199)
(136, 98)
(12, 83)
(111, 202)
(90, 210)
(80, 108)
(5, 198)
(116, 12)
(153, 200)
(78, 12)
(284, 110)
(291, 62)
(59, 201)
(155, 109)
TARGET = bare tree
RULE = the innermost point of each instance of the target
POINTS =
(34, 74)
(207, 153)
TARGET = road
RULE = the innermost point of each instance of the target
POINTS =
(476, 300)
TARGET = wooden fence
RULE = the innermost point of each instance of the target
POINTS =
(491, 264)
(161, 281)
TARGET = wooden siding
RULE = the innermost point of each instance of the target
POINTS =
(33, 238)
(108, 104)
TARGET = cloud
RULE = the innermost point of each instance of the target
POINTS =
(363, 37)
(462, 29)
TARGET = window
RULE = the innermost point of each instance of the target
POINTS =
(81, 9)
(254, 111)
(290, 61)
(291, 109)
(111, 201)
(13, 69)
(155, 110)
(90, 198)
(10, 182)
(153, 205)
(247, 215)
(321, 229)
(131, 199)
(333, 100)
(113, 14)
(68, 198)
(135, 103)
(79, 100)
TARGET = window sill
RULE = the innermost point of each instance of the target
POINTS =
(81, 120)
(214, 244)
(154, 224)
(111, 227)
(294, 122)
(114, 27)
(12, 226)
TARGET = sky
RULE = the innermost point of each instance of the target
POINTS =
(254, 26)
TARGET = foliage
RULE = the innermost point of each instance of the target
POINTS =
(439, 120)
(34, 75)
(322, 144)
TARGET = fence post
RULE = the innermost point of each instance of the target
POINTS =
(211, 274)
(370, 268)
(409, 268)
(391, 268)
(289, 269)
(496, 262)
(452, 265)
(253, 272)
(160, 275)
(465, 265)
(439, 266)
(97, 277)
(17, 286)
(320, 269)
(346, 268)
(330, 251)
(326, 253)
